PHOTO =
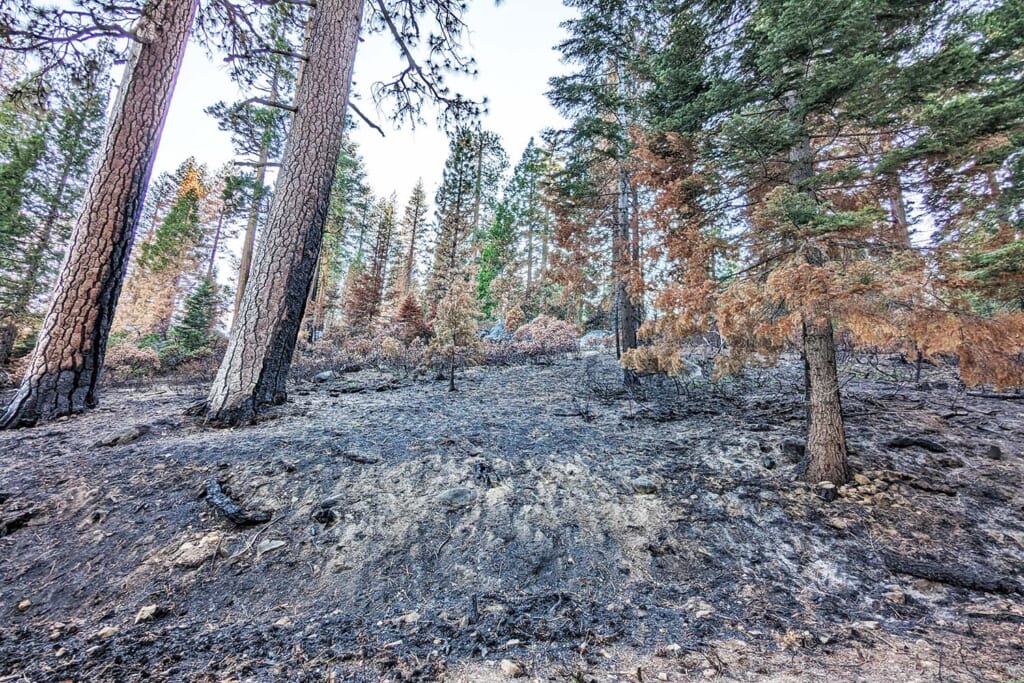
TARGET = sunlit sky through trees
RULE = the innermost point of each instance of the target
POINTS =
(514, 47)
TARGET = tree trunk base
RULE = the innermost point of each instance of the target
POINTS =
(47, 397)
(233, 416)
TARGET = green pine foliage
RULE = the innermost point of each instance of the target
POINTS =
(195, 334)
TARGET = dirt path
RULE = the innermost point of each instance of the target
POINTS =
(533, 517)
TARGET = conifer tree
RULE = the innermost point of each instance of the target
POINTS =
(409, 320)
(410, 236)
(602, 100)
(258, 124)
(195, 333)
(70, 121)
(167, 256)
(255, 368)
(781, 112)
(455, 340)
(63, 373)
(467, 193)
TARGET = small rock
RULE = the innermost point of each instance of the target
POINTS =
(147, 613)
(106, 632)
(826, 490)
(895, 597)
(269, 545)
(994, 452)
(861, 480)
(670, 650)
(123, 438)
(24, 605)
(325, 376)
(283, 622)
(195, 553)
(515, 642)
(511, 669)
(662, 676)
(408, 618)
(644, 485)
(458, 497)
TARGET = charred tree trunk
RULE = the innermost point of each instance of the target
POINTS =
(826, 440)
(628, 312)
(622, 256)
(64, 371)
(451, 371)
(255, 367)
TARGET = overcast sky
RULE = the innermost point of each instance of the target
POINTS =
(514, 47)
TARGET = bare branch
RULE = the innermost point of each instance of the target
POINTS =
(371, 124)
(267, 103)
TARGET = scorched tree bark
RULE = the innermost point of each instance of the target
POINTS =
(255, 367)
(62, 375)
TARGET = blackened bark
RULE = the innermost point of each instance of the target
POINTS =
(826, 438)
(826, 441)
(255, 368)
(628, 313)
(64, 371)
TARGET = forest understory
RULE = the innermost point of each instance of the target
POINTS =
(539, 523)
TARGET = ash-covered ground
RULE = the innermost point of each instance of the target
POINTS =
(537, 524)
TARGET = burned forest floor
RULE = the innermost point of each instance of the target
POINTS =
(538, 524)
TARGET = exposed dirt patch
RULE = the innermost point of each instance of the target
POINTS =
(535, 516)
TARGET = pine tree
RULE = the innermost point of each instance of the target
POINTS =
(22, 155)
(350, 205)
(409, 321)
(255, 369)
(455, 340)
(522, 223)
(70, 121)
(259, 123)
(410, 235)
(466, 195)
(63, 373)
(195, 333)
(790, 110)
(167, 257)
(602, 100)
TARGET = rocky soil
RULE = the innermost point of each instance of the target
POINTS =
(538, 524)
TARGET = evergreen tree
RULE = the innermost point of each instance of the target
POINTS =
(195, 333)
(347, 222)
(168, 257)
(47, 150)
(522, 224)
(603, 101)
(63, 373)
(410, 235)
(455, 340)
(467, 194)
(258, 124)
(806, 116)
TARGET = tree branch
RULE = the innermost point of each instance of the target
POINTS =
(371, 124)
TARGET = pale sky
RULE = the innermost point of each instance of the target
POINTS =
(513, 44)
